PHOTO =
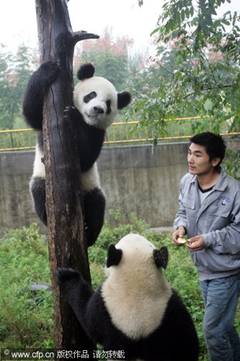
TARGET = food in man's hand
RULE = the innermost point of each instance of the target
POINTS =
(181, 240)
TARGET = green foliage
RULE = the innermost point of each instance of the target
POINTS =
(231, 163)
(196, 66)
(108, 65)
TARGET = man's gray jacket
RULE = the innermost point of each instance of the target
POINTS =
(217, 220)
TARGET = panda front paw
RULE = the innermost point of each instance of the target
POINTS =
(66, 275)
(70, 113)
(72, 116)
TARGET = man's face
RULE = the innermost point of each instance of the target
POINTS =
(198, 160)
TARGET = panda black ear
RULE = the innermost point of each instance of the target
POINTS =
(161, 257)
(114, 256)
(85, 71)
(123, 99)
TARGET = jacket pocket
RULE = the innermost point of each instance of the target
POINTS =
(224, 208)
(223, 212)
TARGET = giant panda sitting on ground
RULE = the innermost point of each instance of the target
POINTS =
(135, 309)
(96, 103)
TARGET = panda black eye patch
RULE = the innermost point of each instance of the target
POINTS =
(89, 97)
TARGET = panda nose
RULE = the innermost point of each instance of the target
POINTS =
(98, 110)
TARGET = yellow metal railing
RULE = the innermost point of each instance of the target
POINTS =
(119, 133)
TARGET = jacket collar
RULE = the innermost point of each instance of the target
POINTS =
(221, 184)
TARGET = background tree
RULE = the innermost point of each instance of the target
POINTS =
(109, 56)
(5, 119)
(15, 70)
(196, 65)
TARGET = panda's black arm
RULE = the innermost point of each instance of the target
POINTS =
(85, 303)
(37, 88)
(77, 293)
(88, 138)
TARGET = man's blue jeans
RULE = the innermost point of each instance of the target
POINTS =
(221, 298)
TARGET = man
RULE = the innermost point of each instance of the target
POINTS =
(209, 216)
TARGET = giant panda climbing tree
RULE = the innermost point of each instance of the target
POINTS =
(64, 212)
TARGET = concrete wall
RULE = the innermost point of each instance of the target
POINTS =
(140, 179)
(15, 203)
(144, 180)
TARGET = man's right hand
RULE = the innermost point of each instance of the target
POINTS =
(179, 233)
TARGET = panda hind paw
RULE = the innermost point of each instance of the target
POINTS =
(49, 71)
(66, 275)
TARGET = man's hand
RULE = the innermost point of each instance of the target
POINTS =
(196, 243)
(179, 233)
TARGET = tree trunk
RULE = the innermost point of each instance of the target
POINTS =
(63, 194)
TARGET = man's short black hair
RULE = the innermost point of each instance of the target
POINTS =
(213, 143)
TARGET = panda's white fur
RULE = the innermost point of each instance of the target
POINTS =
(105, 91)
(38, 165)
(89, 179)
(136, 278)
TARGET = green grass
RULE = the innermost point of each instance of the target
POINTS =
(17, 139)
(26, 316)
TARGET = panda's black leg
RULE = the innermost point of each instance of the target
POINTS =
(37, 188)
(37, 88)
(94, 208)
